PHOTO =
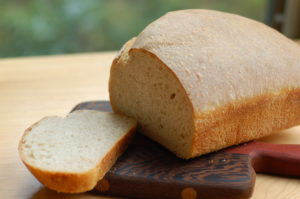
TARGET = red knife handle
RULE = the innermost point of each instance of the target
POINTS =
(281, 159)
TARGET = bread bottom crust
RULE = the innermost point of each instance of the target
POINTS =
(245, 120)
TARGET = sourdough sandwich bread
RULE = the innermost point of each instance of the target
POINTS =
(71, 154)
(198, 81)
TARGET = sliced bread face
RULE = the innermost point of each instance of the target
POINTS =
(141, 86)
(71, 154)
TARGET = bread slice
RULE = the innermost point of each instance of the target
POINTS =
(199, 80)
(71, 154)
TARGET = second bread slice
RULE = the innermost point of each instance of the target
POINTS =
(71, 154)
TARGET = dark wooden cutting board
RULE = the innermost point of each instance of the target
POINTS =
(147, 170)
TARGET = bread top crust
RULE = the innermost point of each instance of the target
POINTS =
(220, 57)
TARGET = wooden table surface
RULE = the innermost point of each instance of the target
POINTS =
(34, 87)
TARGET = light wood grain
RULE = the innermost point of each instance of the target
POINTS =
(34, 87)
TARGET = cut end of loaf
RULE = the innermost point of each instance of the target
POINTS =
(155, 98)
(71, 154)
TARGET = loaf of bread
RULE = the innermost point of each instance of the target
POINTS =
(198, 81)
(71, 154)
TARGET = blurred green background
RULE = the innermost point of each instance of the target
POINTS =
(43, 27)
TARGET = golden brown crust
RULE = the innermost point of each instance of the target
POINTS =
(64, 182)
(111, 157)
(246, 120)
(79, 182)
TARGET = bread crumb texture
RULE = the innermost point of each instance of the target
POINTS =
(73, 147)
